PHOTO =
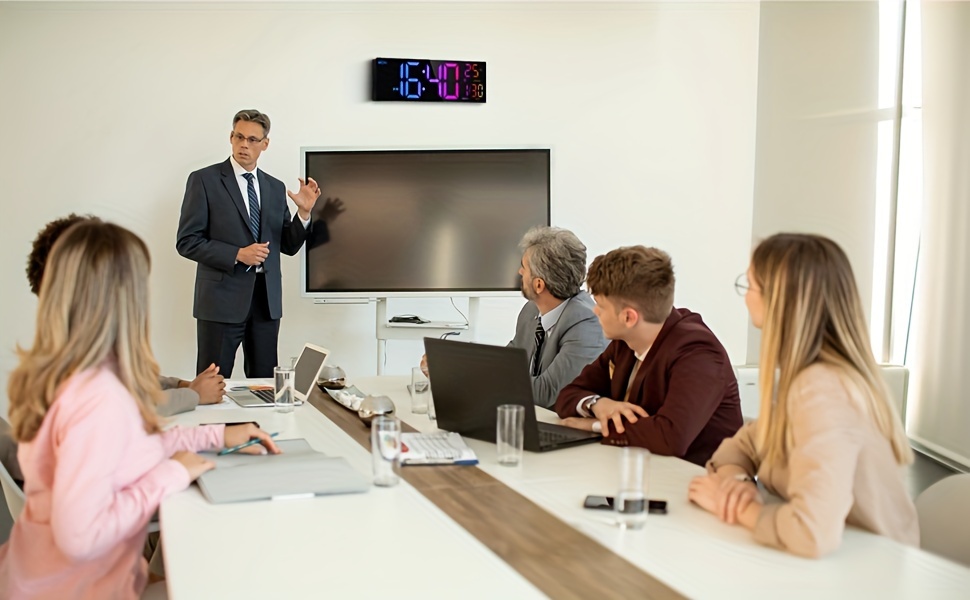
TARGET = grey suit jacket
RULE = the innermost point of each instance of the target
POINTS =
(575, 341)
(177, 400)
(213, 226)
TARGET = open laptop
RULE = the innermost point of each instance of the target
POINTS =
(307, 369)
(470, 381)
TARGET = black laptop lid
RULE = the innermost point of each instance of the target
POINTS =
(470, 381)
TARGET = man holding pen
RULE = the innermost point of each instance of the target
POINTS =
(234, 224)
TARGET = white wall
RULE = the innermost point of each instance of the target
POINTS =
(817, 129)
(649, 110)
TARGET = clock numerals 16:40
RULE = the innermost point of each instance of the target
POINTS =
(447, 77)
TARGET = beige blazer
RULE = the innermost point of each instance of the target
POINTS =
(840, 471)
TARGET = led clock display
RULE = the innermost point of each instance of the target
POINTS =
(423, 80)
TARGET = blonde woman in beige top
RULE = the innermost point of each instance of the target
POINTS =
(828, 441)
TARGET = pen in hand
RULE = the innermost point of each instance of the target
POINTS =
(251, 442)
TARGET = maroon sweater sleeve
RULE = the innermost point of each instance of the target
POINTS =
(593, 379)
(695, 390)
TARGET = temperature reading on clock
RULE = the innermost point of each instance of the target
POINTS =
(423, 80)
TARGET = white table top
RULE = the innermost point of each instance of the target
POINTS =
(388, 542)
(673, 547)
(395, 541)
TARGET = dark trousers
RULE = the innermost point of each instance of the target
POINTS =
(258, 334)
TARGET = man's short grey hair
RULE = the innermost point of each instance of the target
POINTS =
(558, 258)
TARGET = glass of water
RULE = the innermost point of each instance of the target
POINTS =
(283, 381)
(420, 391)
(510, 434)
(631, 499)
(385, 439)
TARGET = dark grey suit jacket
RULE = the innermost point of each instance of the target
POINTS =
(575, 341)
(213, 226)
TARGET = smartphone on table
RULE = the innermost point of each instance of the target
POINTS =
(658, 507)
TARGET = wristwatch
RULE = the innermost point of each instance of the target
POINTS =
(589, 402)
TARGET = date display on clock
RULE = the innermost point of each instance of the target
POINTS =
(423, 80)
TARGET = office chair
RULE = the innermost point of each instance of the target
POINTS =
(896, 377)
(12, 492)
(944, 518)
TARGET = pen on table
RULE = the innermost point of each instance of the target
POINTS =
(251, 442)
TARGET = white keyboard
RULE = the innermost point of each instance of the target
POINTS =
(437, 448)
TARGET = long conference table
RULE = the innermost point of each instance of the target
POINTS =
(493, 531)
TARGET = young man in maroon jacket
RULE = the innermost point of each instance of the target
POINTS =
(665, 382)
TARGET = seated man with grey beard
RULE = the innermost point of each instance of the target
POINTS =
(557, 327)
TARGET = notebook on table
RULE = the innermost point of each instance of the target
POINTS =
(307, 370)
(470, 381)
(299, 472)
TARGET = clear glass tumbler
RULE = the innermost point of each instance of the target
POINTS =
(631, 499)
(510, 434)
(385, 438)
(420, 392)
(283, 381)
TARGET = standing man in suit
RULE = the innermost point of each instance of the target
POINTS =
(235, 222)
(557, 327)
(665, 382)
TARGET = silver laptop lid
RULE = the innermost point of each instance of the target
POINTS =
(308, 367)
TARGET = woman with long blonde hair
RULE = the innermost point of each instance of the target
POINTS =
(82, 405)
(828, 440)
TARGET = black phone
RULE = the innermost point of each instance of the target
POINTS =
(657, 507)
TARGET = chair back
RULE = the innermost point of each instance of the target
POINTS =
(896, 377)
(944, 518)
(11, 491)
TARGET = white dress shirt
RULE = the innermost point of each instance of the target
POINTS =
(243, 184)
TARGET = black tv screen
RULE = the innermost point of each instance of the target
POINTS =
(424, 221)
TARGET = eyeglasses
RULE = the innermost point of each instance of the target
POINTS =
(741, 285)
(239, 138)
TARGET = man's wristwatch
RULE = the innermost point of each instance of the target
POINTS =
(589, 402)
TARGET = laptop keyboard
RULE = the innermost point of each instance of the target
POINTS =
(548, 438)
(265, 395)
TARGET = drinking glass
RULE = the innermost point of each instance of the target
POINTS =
(631, 499)
(510, 434)
(385, 439)
(420, 391)
(283, 381)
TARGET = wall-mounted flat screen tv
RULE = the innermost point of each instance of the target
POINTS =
(423, 222)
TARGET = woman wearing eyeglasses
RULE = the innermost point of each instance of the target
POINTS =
(828, 441)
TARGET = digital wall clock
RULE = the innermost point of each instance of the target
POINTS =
(423, 80)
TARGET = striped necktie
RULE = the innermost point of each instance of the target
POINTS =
(253, 206)
(540, 337)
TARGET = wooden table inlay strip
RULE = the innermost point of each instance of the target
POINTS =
(552, 555)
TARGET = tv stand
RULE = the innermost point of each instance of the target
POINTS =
(386, 330)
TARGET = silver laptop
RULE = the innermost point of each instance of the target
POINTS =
(307, 369)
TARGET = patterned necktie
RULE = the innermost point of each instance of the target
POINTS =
(540, 337)
(253, 206)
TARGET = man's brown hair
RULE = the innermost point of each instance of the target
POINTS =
(255, 116)
(635, 276)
